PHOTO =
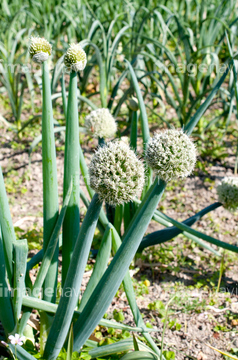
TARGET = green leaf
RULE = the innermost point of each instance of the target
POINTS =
(201, 110)
(64, 97)
(133, 137)
(70, 344)
(20, 252)
(120, 346)
(118, 217)
(136, 346)
(57, 73)
(140, 355)
(161, 236)
(143, 115)
(114, 46)
(21, 353)
(99, 267)
(43, 305)
(46, 259)
(102, 71)
(50, 250)
(38, 139)
(129, 290)
(6, 308)
(198, 234)
(45, 325)
(144, 123)
(71, 289)
(85, 174)
(8, 233)
(113, 276)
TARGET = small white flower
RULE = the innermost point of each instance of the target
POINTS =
(16, 339)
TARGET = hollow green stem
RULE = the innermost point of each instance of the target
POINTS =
(71, 223)
(50, 186)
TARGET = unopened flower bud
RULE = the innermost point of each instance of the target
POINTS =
(227, 192)
(116, 174)
(39, 49)
(100, 123)
(133, 104)
(75, 58)
(171, 154)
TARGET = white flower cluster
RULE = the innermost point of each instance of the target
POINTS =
(100, 123)
(116, 174)
(227, 192)
(39, 49)
(171, 154)
(75, 58)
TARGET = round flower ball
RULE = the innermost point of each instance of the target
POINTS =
(171, 154)
(75, 58)
(116, 174)
(39, 49)
(227, 192)
(100, 123)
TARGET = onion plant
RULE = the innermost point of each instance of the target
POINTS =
(15, 76)
(116, 177)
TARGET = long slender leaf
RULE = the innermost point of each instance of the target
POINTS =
(129, 290)
(64, 314)
(21, 353)
(46, 258)
(144, 123)
(198, 234)
(80, 97)
(102, 71)
(8, 233)
(70, 344)
(201, 110)
(140, 355)
(164, 235)
(43, 305)
(20, 251)
(143, 115)
(50, 250)
(99, 267)
(38, 139)
(64, 97)
(113, 276)
(114, 46)
(133, 137)
(6, 308)
(120, 346)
